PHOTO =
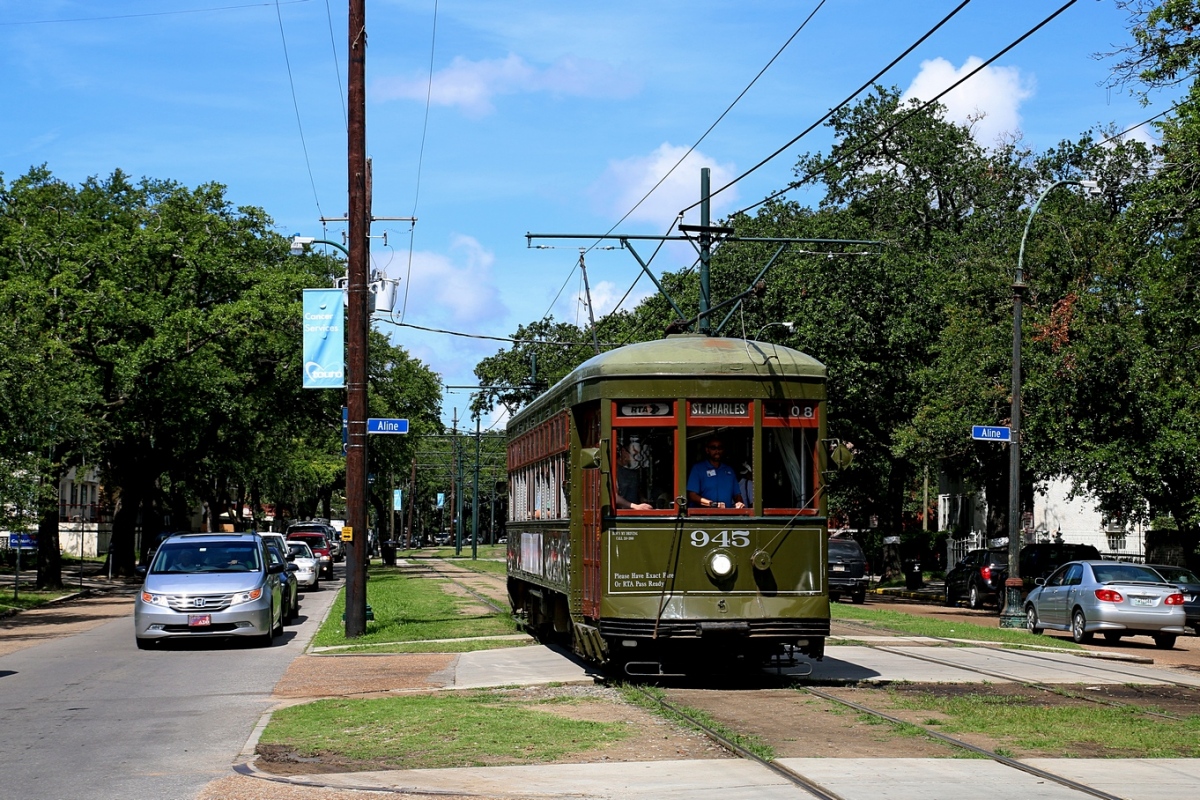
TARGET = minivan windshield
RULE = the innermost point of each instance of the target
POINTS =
(191, 557)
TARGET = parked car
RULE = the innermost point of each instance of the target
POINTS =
(207, 585)
(848, 571)
(278, 551)
(979, 578)
(332, 536)
(308, 568)
(1040, 559)
(1189, 584)
(1112, 597)
(319, 545)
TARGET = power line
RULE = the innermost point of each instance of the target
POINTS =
(909, 115)
(296, 106)
(336, 67)
(420, 160)
(491, 338)
(149, 14)
(842, 104)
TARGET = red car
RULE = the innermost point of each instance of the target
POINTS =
(316, 542)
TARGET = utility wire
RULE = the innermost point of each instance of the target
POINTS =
(336, 66)
(296, 106)
(668, 173)
(148, 14)
(842, 104)
(492, 338)
(420, 161)
(704, 135)
(909, 115)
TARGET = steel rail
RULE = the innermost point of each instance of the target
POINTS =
(790, 775)
(1005, 760)
(1000, 648)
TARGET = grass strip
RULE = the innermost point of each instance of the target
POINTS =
(918, 625)
(637, 696)
(410, 608)
(441, 646)
(31, 598)
(458, 729)
(1062, 731)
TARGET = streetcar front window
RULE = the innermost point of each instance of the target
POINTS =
(644, 473)
(720, 456)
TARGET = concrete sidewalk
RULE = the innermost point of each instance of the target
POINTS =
(735, 779)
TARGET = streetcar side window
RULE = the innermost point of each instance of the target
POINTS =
(789, 477)
(720, 456)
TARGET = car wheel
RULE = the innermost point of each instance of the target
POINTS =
(973, 601)
(268, 638)
(950, 601)
(834, 597)
(1031, 621)
(316, 587)
(285, 616)
(860, 596)
(1079, 632)
(277, 630)
(1164, 641)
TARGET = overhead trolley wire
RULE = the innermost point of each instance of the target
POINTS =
(697, 143)
(910, 114)
(420, 161)
(336, 66)
(842, 104)
(296, 106)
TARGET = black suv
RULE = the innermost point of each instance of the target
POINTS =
(979, 578)
(1039, 560)
(848, 571)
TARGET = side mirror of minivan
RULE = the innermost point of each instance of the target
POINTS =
(275, 569)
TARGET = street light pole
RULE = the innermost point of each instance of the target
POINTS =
(1013, 616)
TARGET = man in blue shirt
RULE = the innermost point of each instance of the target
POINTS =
(712, 484)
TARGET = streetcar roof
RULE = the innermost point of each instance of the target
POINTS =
(694, 354)
(682, 356)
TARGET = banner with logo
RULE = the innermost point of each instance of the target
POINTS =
(324, 339)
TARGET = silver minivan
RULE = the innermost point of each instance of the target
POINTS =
(202, 585)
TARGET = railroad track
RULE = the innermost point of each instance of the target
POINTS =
(451, 574)
(819, 790)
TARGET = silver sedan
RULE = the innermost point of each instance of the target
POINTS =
(1110, 597)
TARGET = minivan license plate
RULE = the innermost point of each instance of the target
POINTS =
(199, 620)
(839, 567)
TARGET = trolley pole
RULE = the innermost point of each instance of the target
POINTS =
(705, 249)
(357, 320)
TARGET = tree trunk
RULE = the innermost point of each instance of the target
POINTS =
(124, 557)
(49, 556)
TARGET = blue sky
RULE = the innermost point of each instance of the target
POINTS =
(543, 116)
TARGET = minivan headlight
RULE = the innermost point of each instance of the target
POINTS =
(246, 597)
(154, 599)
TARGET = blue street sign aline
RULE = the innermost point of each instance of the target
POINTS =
(991, 433)
(377, 425)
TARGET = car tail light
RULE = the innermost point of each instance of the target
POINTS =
(1109, 595)
(1173, 600)
(986, 573)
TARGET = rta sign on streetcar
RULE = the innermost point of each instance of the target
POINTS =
(991, 433)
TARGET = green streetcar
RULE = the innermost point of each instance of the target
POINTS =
(666, 504)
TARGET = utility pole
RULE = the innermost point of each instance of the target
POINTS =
(412, 497)
(357, 319)
(475, 498)
(705, 250)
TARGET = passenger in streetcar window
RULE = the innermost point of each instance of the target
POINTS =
(629, 482)
(746, 482)
(711, 483)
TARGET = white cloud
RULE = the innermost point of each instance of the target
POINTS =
(458, 285)
(626, 182)
(472, 85)
(989, 101)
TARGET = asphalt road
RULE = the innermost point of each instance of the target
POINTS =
(91, 716)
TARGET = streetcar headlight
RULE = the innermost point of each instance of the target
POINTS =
(720, 565)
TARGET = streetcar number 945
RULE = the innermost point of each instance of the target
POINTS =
(723, 539)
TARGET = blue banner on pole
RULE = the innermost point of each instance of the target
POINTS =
(397, 498)
(324, 339)
(441, 499)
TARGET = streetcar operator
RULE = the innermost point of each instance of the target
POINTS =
(711, 483)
